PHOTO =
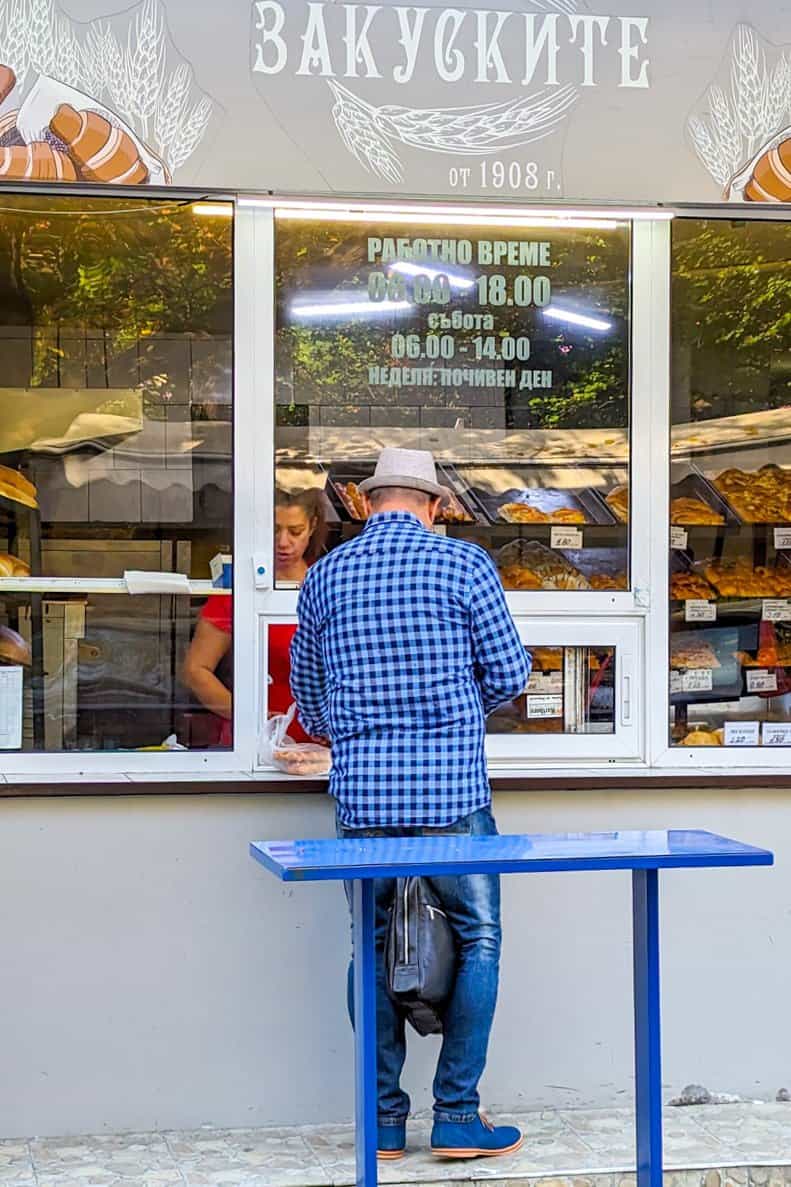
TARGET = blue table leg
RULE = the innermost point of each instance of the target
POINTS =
(364, 1030)
(647, 1036)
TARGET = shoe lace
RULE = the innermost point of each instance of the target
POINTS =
(486, 1122)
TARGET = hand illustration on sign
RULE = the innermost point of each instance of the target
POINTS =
(89, 103)
(743, 137)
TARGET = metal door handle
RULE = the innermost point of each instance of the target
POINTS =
(626, 700)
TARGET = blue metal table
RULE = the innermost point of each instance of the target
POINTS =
(644, 853)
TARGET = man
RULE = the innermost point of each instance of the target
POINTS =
(404, 644)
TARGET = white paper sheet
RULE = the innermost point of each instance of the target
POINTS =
(10, 707)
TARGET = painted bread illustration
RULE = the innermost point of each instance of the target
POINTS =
(7, 82)
(38, 161)
(771, 176)
(101, 151)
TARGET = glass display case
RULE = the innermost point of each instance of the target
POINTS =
(730, 485)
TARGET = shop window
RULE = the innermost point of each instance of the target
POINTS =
(730, 510)
(116, 377)
(502, 347)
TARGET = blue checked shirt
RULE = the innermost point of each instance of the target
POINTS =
(404, 644)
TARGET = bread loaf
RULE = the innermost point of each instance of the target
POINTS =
(771, 178)
(12, 566)
(38, 161)
(100, 151)
(13, 648)
(14, 485)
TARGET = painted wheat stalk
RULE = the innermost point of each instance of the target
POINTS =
(191, 131)
(145, 58)
(708, 150)
(747, 86)
(67, 53)
(41, 36)
(91, 53)
(13, 39)
(742, 119)
(171, 108)
(368, 131)
(115, 74)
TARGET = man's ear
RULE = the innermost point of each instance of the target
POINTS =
(434, 508)
(367, 506)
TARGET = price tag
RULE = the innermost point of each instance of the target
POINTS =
(741, 733)
(759, 680)
(675, 682)
(549, 706)
(776, 609)
(776, 733)
(697, 610)
(678, 537)
(782, 537)
(697, 680)
(545, 683)
(565, 538)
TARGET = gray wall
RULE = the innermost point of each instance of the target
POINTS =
(155, 977)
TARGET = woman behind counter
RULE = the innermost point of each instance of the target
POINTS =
(300, 534)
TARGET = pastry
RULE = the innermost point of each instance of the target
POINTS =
(12, 566)
(547, 659)
(692, 654)
(685, 586)
(693, 511)
(351, 498)
(101, 151)
(524, 513)
(607, 581)
(703, 737)
(303, 759)
(519, 577)
(14, 485)
(770, 180)
(13, 648)
(37, 161)
(740, 579)
(760, 496)
(618, 502)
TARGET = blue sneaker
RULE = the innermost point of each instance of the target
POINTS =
(391, 1142)
(474, 1139)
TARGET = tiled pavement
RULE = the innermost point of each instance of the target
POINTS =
(739, 1145)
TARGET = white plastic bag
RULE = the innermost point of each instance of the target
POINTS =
(295, 758)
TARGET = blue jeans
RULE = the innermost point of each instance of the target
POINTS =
(472, 905)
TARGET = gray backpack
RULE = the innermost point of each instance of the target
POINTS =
(420, 955)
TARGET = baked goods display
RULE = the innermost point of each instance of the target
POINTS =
(687, 586)
(690, 511)
(527, 561)
(452, 510)
(618, 502)
(693, 653)
(739, 578)
(525, 513)
(16, 487)
(758, 496)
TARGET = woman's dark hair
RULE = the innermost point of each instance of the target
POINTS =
(311, 501)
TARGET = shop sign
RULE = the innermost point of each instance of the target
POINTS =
(532, 101)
